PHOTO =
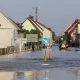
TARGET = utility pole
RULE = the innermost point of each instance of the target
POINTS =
(36, 12)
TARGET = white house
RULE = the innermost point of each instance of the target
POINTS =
(29, 24)
(8, 31)
(47, 32)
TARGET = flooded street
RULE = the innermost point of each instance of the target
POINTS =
(65, 65)
(42, 75)
(66, 59)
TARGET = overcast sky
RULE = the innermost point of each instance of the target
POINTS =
(56, 14)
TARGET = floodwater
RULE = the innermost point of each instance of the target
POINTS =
(65, 65)
(42, 75)
(56, 53)
(28, 61)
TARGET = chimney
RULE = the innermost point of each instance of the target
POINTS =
(79, 21)
(31, 17)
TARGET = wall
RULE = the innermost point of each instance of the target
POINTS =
(27, 25)
(8, 32)
(46, 32)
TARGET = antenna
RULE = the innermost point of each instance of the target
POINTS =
(36, 12)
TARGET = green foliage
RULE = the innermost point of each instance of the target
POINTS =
(53, 36)
(32, 31)
(25, 32)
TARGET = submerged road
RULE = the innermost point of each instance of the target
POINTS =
(69, 59)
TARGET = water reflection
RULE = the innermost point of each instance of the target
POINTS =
(49, 75)
(54, 51)
(6, 75)
(42, 75)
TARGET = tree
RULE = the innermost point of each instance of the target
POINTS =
(32, 31)
(25, 32)
(54, 36)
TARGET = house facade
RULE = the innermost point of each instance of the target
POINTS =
(47, 33)
(8, 31)
(30, 23)
(74, 30)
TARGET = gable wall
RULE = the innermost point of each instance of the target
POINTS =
(46, 32)
(37, 26)
(7, 31)
(27, 25)
(4, 22)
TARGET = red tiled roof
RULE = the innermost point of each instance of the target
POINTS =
(19, 23)
(72, 25)
(31, 19)
(71, 29)
(35, 22)
(44, 26)
(34, 25)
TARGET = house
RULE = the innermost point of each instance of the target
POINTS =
(73, 30)
(47, 32)
(30, 23)
(9, 31)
